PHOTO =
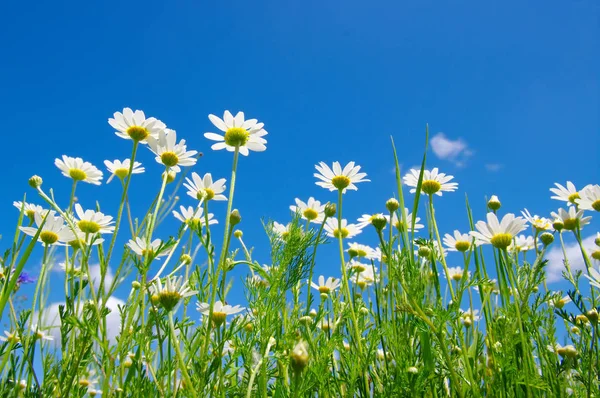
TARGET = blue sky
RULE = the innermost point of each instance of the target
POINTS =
(514, 87)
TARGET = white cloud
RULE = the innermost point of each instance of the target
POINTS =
(455, 151)
(493, 167)
(555, 258)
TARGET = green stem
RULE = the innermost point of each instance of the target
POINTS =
(182, 364)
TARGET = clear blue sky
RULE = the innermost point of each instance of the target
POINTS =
(517, 83)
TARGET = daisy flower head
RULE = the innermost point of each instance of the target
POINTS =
(433, 182)
(30, 209)
(337, 178)
(10, 337)
(39, 334)
(571, 219)
(143, 249)
(239, 133)
(204, 188)
(567, 194)
(498, 233)
(170, 294)
(355, 266)
(521, 243)
(590, 198)
(134, 125)
(458, 242)
(538, 223)
(121, 169)
(170, 153)
(281, 230)
(366, 278)
(345, 230)
(220, 311)
(399, 224)
(456, 273)
(54, 230)
(469, 316)
(194, 217)
(312, 210)
(358, 250)
(378, 220)
(92, 222)
(326, 286)
(78, 170)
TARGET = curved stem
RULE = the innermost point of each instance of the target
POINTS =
(182, 364)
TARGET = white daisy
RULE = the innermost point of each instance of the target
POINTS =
(121, 169)
(10, 337)
(332, 228)
(366, 278)
(338, 178)
(174, 290)
(469, 315)
(399, 224)
(590, 198)
(355, 266)
(239, 133)
(79, 170)
(220, 311)
(39, 334)
(367, 219)
(140, 248)
(566, 194)
(169, 153)
(204, 188)
(458, 242)
(539, 223)
(312, 210)
(54, 231)
(92, 222)
(499, 234)
(281, 230)
(594, 278)
(30, 209)
(134, 125)
(571, 218)
(456, 273)
(358, 250)
(194, 217)
(433, 182)
(521, 243)
(326, 286)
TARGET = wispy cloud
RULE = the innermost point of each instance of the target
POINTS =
(456, 151)
(493, 167)
(555, 258)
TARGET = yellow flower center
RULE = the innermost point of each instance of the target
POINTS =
(194, 223)
(169, 299)
(571, 224)
(596, 255)
(501, 241)
(462, 245)
(169, 159)
(340, 182)
(324, 289)
(361, 253)
(399, 226)
(573, 197)
(77, 174)
(430, 186)
(344, 233)
(206, 194)
(219, 318)
(122, 172)
(84, 383)
(596, 205)
(88, 227)
(236, 136)
(48, 237)
(310, 214)
(147, 252)
(457, 276)
(137, 133)
(325, 326)
(359, 267)
(30, 213)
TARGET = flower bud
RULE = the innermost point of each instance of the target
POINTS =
(547, 238)
(235, 217)
(300, 357)
(424, 251)
(238, 233)
(170, 176)
(596, 255)
(135, 285)
(186, 259)
(35, 181)
(575, 330)
(597, 240)
(413, 370)
(313, 313)
(592, 315)
(306, 320)
(494, 203)
(364, 311)
(392, 205)
(570, 351)
(558, 225)
(378, 221)
(330, 209)
(249, 327)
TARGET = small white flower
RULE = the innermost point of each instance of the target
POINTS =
(194, 217)
(590, 198)
(399, 224)
(204, 188)
(338, 178)
(172, 292)
(433, 182)
(121, 169)
(92, 222)
(537, 222)
(134, 125)
(367, 219)
(521, 243)
(141, 248)
(571, 218)
(456, 273)
(312, 210)
(469, 315)
(326, 286)
(361, 251)
(458, 242)
(220, 311)
(568, 194)
(281, 230)
(239, 133)
(79, 170)
(170, 153)
(499, 234)
(54, 231)
(332, 228)
(10, 337)
(30, 209)
(39, 334)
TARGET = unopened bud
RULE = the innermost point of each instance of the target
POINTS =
(313, 313)
(494, 203)
(424, 251)
(378, 221)
(186, 259)
(235, 217)
(547, 238)
(35, 181)
(135, 285)
(392, 205)
(558, 225)
(330, 209)
(170, 176)
(300, 357)
(592, 315)
(238, 233)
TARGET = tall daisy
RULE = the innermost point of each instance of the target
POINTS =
(590, 198)
(326, 286)
(92, 222)
(567, 194)
(121, 169)
(361, 251)
(571, 218)
(334, 230)
(521, 243)
(540, 224)
(79, 170)
(30, 209)
(337, 178)
(170, 153)
(239, 133)
(141, 248)
(433, 182)
(458, 242)
(194, 217)
(220, 311)
(171, 293)
(399, 224)
(135, 126)
(498, 233)
(204, 188)
(312, 210)
(54, 230)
